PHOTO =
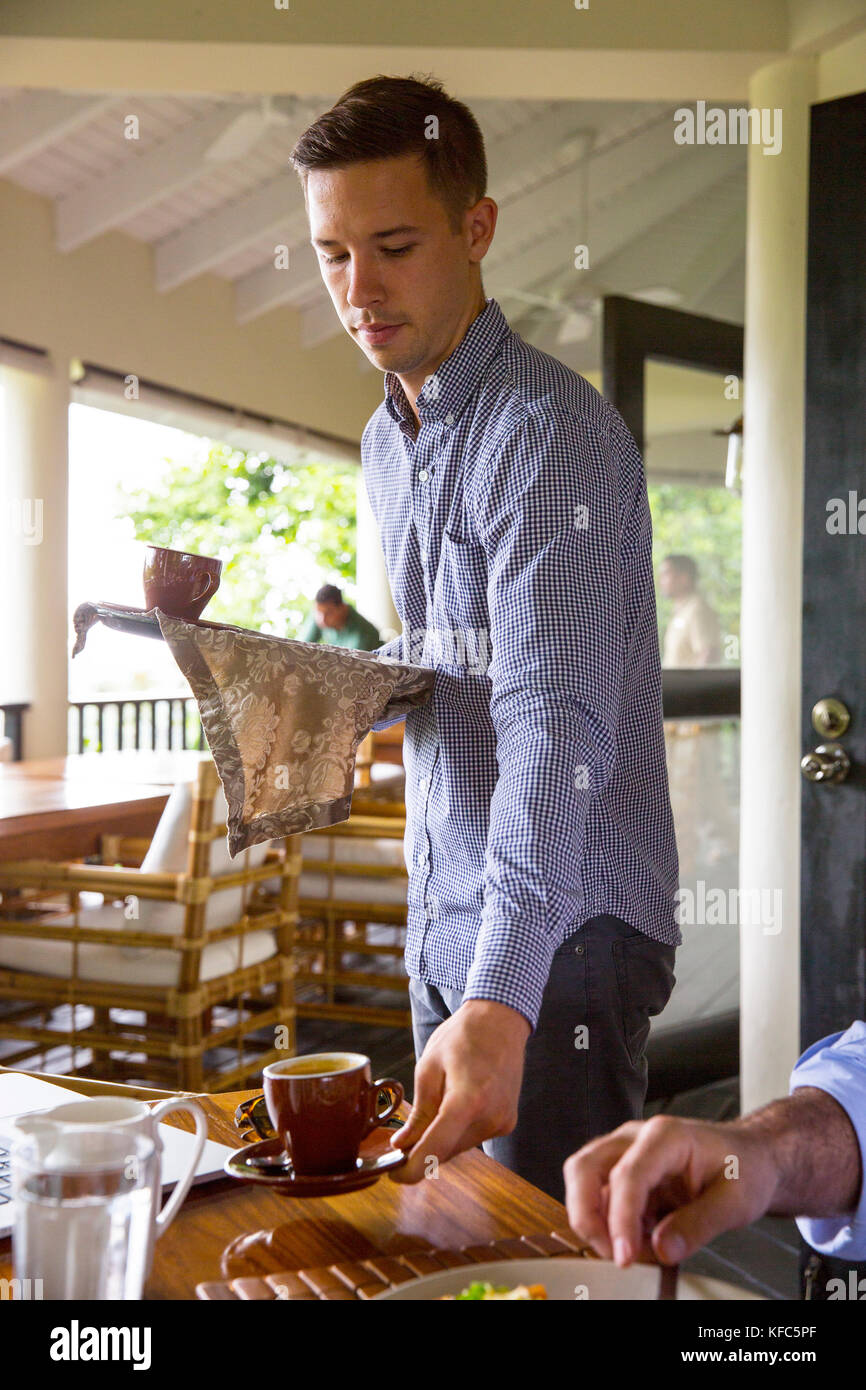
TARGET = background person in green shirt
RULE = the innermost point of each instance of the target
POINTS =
(338, 623)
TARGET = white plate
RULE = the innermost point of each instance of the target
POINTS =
(567, 1279)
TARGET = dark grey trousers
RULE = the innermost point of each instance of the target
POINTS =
(585, 1070)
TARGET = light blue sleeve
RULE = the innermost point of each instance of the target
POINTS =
(837, 1065)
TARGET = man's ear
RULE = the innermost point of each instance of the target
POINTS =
(481, 225)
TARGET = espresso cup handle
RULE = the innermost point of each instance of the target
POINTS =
(172, 1206)
(386, 1083)
(211, 584)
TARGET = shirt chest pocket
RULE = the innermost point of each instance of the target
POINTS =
(461, 584)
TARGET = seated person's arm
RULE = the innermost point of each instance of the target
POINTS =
(664, 1187)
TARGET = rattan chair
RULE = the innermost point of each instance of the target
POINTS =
(174, 997)
(352, 893)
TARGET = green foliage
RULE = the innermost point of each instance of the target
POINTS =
(271, 523)
(705, 523)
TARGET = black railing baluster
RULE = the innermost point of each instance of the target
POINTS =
(92, 731)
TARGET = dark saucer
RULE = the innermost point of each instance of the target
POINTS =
(376, 1157)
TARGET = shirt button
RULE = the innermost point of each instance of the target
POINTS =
(424, 783)
(423, 475)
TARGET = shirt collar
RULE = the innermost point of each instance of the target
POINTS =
(445, 394)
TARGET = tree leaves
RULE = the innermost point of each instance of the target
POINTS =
(275, 525)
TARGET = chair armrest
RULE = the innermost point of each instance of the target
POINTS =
(98, 878)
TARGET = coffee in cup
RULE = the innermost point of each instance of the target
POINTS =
(322, 1106)
(179, 582)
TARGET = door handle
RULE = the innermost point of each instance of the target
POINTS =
(827, 763)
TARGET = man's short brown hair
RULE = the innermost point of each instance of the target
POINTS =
(386, 117)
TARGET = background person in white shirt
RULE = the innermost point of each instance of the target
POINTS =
(693, 636)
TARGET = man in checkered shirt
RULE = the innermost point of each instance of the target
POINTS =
(512, 507)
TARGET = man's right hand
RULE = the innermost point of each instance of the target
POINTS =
(661, 1188)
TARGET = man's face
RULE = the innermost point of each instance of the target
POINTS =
(673, 582)
(389, 257)
(329, 614)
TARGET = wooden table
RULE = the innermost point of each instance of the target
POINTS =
(59, 808)
(229, 1230)
(162, 768)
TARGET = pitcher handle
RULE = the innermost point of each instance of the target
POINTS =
(172, 1206)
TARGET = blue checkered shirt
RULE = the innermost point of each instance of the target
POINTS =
(517, 538)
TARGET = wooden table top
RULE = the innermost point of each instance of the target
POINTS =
(62, 812)
(161, 768)
(228, 1229)
(59, 808)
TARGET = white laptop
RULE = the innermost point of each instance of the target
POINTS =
(21, 1095)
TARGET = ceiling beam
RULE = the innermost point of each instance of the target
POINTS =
(613, 225)
(715, 259)
(140, 181)
(36, 120)
(658, 64)
(268, 287)
(319, 323)
(664, 253)
(276, 209)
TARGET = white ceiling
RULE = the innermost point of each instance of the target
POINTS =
(661, 220)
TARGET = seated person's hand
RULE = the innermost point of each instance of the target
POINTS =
(661, 1188)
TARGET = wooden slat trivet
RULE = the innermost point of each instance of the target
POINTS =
(363, 1279)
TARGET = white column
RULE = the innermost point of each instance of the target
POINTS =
(374, 592)
(772, 579)
(34, 628)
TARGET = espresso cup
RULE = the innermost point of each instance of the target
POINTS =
(179, 582)
(322, 1106)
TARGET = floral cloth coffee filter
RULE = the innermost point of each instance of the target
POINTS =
(283, 719)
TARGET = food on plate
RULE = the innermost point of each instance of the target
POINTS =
(481, 1291)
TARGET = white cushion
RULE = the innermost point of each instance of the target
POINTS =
(348, 850)
(387, 774)
(168, 854)
(348, 888)
(134, 965)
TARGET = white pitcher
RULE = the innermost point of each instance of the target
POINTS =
(117, 1113)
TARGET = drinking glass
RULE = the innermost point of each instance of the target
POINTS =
(83, 1210)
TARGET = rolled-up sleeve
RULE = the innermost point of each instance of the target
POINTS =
(548, 514)
(837, 1065)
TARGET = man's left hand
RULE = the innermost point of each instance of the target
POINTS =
(467, 1085)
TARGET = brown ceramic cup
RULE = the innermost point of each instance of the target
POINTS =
(178, 582)
(323, 1105)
